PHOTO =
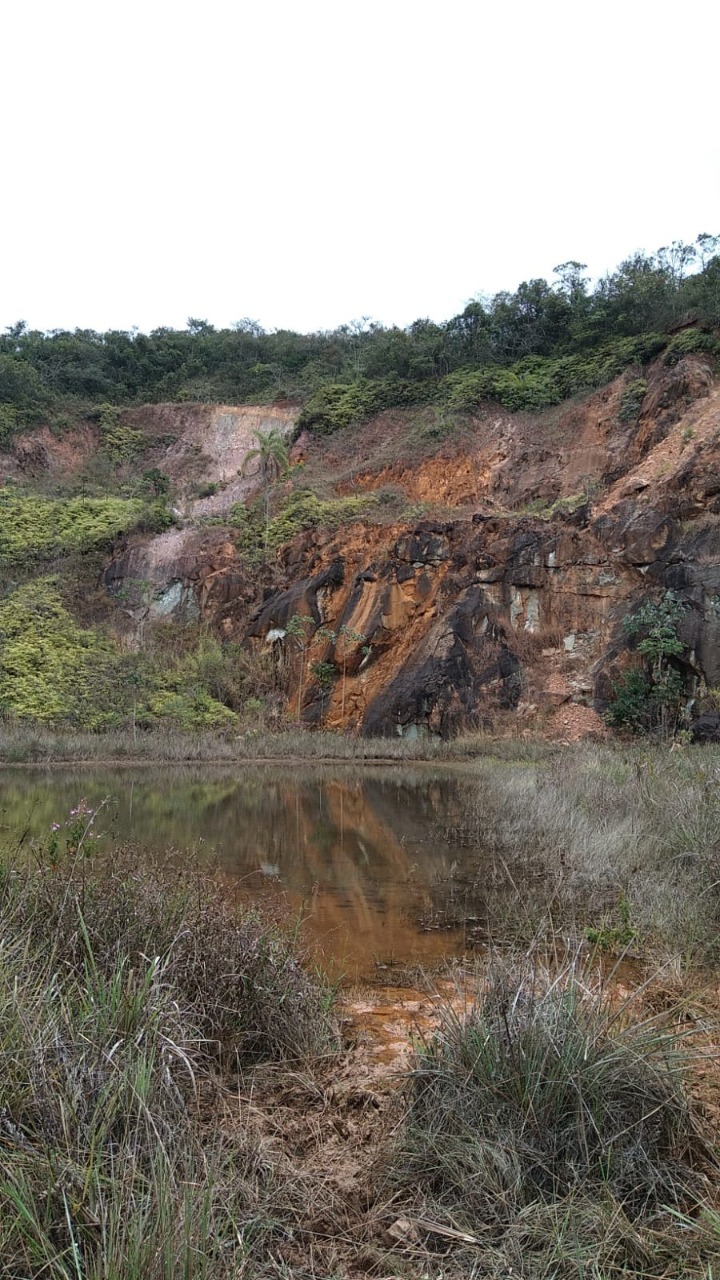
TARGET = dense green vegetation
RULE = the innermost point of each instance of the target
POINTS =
(55, 672)
(526, 349)
(50, 668)
(34, 528)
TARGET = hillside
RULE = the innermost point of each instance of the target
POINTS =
(462, 570)
(405, 532)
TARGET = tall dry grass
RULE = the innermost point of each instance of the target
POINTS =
(548, 1133)
(131, 999)
(20, 744)
(622, 845)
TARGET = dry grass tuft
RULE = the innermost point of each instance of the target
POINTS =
(551, 1128)
(129, 1001)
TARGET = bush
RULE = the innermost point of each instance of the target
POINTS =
(39, 528)
(631, 707)
(121, 443)
(155, 482)
(688, 342)
(301, 510)
(631, 400)
(194, 709)
(537, 382)
(650, 698)
(336, 405)
(228, 968)
(8, 424)
(122, 988)
(51, 669)
(543, 1102)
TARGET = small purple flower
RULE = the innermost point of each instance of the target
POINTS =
(55, 826)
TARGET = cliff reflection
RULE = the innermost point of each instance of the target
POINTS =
(359, 853)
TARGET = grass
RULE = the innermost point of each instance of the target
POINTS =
(26, 744)
(546, 1130)
(613, 843)
(549, 1125)
(130, 1000)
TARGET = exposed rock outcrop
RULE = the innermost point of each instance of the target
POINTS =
(512, 605)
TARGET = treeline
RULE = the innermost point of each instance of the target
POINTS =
(510, 340)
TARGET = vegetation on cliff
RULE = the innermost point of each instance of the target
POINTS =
(34, 529)
(55, 672)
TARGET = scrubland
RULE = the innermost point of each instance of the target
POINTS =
(182, 1093)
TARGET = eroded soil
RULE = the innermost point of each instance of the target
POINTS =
(332, 1128)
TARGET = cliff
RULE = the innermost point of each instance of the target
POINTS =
(502, 600)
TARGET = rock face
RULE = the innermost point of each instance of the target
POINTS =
(512, 606)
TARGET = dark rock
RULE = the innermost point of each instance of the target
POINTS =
(642, 535)
(706, 728)
(300, 598)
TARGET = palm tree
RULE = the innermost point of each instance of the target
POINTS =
(272, 452)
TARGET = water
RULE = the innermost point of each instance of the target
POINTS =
(362, 855)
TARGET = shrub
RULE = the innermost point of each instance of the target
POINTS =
(631, 707)
(335, 405)
(540, 1103)
(155, 482)
(650, 699)
(8, 424)
(54, 671)
(687, 342)
(121, 986)
(631, 400)
(51, 669)
(194, 709)
(39, 528)
(301, 510)
(121, 443)
(537, 382)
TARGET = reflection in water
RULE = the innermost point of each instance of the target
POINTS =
(360, 853)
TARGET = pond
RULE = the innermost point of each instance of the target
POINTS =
(364, 857)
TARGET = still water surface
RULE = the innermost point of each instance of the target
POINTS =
(367, 856)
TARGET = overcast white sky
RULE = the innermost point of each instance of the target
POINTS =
(306, 162)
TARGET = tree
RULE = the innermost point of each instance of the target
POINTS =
(299, 627)
(156, 482)
(650, 698)
(199, 328)
(707, 247)
(272, 451)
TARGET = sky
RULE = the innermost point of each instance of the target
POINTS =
(305, 163)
